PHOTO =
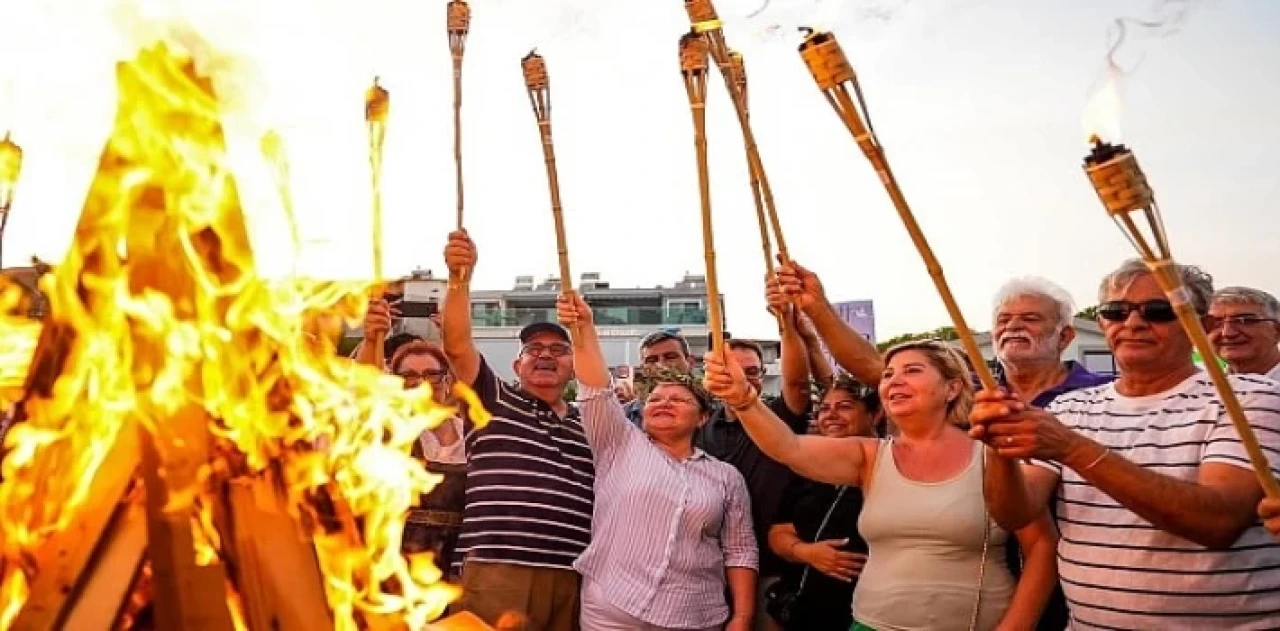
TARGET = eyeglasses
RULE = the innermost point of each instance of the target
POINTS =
(1156, 311)
(1243, 320)
(559, 349)
(752, 372)
(434, 376)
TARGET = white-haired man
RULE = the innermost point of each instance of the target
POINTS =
(1156, 502)
(1244, 327)
(1033, 327)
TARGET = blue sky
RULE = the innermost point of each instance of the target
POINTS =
(978, 103)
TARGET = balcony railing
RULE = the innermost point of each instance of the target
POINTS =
(604, 316)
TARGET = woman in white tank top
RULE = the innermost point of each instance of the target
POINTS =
(936, 561)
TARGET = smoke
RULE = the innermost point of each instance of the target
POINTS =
(1165, 19)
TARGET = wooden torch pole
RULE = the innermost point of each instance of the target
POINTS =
(538, 84)
(693, 69)
(377, 107)
(834, 75)
(458, 21)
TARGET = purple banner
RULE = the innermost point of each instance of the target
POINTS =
(859, 314)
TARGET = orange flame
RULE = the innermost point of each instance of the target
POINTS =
(158, 310)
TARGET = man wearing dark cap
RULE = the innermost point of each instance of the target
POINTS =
(529, 486)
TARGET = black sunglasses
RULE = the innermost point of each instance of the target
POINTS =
(1158, 311)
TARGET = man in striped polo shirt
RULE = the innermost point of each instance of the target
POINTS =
(529, 483)
(1156, 502)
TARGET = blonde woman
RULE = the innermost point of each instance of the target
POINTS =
(936, 560)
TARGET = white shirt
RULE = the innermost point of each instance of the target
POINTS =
(433, 451)
(1120, 572)
(1274, 373)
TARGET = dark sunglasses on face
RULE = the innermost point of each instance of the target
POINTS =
(555, 350)
(1157, 311)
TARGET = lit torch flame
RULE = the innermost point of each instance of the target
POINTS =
(1102, 113)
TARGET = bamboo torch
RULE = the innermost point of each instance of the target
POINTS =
(693, 69)
(702, 15)
(458, 21)
(1125, 194)
(835, 76)
(377, 105)
(538, 83)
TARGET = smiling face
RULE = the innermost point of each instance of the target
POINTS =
(1242, 333)
(914, 390)
(1140, 345)
(545, 361)
(672, 410)
(1027, 330)
(841, 415)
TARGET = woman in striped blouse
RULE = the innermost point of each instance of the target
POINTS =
(672, 525)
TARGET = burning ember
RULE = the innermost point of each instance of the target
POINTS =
(178, 403)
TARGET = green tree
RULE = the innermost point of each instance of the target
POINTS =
(944, 333)
(1088, 313)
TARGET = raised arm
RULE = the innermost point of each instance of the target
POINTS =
(832, 460)
(819, 368)
(603, 418)
(852, 351)
(794, 354)
(377, 323)
(459, 256)
(588, 360)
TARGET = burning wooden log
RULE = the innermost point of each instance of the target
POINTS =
(171, 408)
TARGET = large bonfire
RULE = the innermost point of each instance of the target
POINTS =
(185, 435)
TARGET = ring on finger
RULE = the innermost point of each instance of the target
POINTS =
(1008, 440)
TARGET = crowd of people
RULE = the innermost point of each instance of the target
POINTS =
(896, 498)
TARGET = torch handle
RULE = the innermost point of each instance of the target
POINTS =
(557, 214)
(377, 132)
(457, 131)
(697, 105)
(1166, 275)
(881, 165)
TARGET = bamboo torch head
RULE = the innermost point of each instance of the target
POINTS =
(1123, 190)
(535, 72)
(377, 103)
(702, 14)
(693, 54)
(458, 21)
(459, 18)
(10, 170)
(826, 60)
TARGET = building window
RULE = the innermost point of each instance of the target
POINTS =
(1101, 362)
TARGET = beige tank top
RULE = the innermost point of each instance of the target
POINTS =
(926, 541)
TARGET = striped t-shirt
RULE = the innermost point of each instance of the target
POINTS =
(1120, 572)
(529, 482)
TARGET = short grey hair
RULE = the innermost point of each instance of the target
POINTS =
(1198, 283)
(1041, 288)
(1249, 296)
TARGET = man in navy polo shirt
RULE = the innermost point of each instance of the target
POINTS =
(529, 497)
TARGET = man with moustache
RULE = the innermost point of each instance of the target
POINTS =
(1033, 326)
(529, 494)
(1244, 327)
